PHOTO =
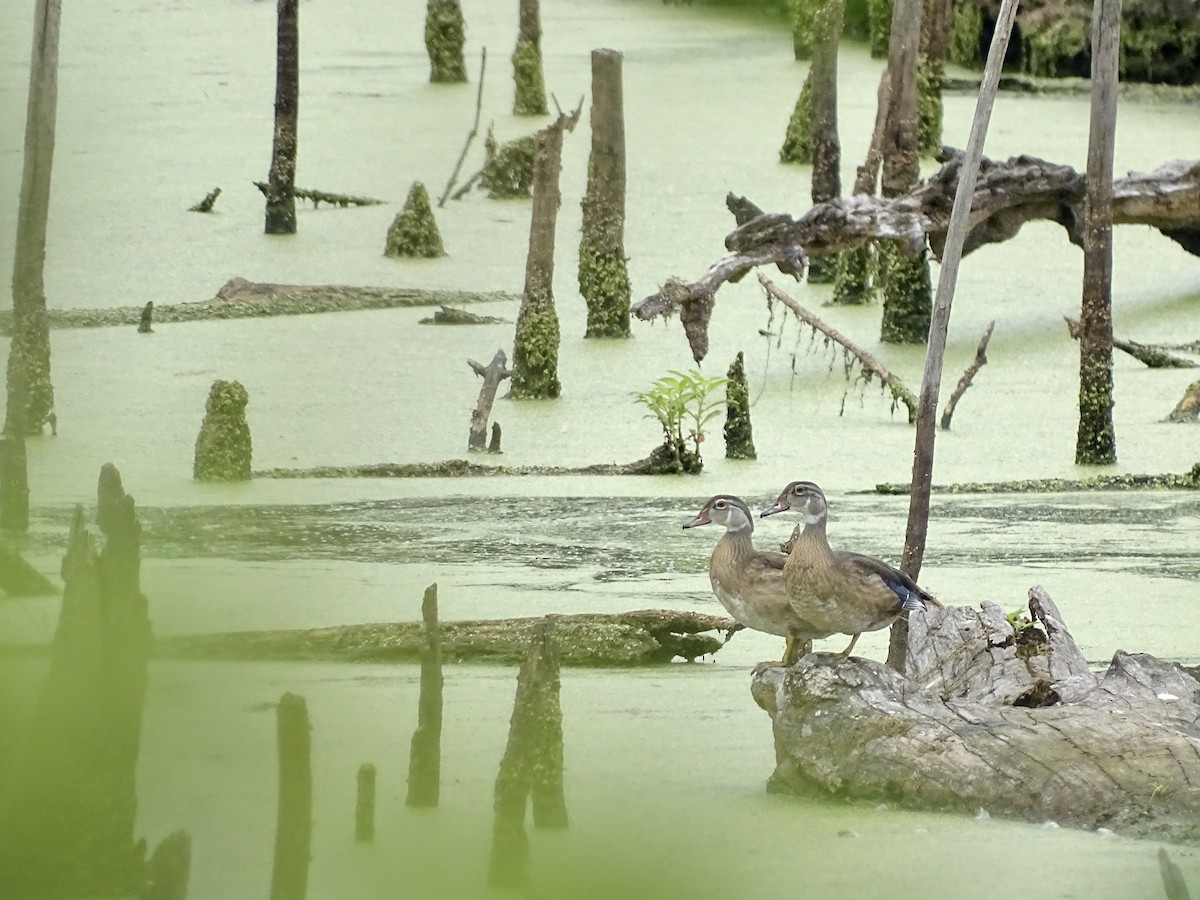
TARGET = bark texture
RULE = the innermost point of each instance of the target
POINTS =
(281, 182)
(995, 712)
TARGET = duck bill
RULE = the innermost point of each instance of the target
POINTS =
(780, 505)
(701, 519)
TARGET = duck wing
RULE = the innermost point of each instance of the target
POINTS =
(911, 594)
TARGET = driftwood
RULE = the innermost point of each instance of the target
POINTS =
(1154, 357)
(1007, 195)
(495, 372)
(998, 713)
(242, 299)
(968, 377)
(644, 637)
(1188, 407)
(316, 198)
(871, 367)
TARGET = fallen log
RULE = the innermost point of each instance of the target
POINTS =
(242, 299)
(1189, 480)
(316, 198)
(999, 713)
(643, 637)
(1007, 195)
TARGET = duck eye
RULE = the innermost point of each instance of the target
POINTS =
(720, 504)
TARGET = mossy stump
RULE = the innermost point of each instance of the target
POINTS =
(529, 98)
(879, 27)
(223, 447)
(797, 141)
(907, 297)
(414, 231)
(930, 76)
(855, 282)
(508, 169)
(739, 436)
(603, 275)
(445, 32)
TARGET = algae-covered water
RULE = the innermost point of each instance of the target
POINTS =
(665, 768)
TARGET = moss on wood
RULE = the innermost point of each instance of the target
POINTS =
(223, 447)
(530, 96)
(414, 231)
(508, 170)
(739, 434)
(797, 141)
(535, 356)
(879, 16)
(907, 297)
(804, 14)
(604, 284)
(445, 33)
(857, 274)
(930, 75)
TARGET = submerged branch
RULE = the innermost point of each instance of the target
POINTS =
(870, 365)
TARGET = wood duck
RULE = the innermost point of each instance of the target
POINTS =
(836, 590)
(750, 583)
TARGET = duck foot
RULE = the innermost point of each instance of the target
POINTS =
(845, 654)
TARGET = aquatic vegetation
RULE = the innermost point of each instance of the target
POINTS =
(682, 400)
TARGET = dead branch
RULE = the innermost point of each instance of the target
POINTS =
(1153, 357)
(967, 377)
(495, 372)
(871, 366)
(471, 134)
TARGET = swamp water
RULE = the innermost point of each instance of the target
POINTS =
(665, 767)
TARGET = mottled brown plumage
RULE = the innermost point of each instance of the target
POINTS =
(838, 590)
(748, 582)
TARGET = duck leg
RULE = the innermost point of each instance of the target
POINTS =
(796, 648)
(853, 640)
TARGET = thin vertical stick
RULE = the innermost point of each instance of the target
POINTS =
(425, 752)
(470, 134)
(922, 477)
(293, 827)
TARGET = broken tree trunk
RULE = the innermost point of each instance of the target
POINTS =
(425, 750)
(1007, 194)
(823, 120)
(281, 182)
(994, 715)
(495, 372)
(603, 275)
(68, 829)
(30, 392)
(529, 97)
(535, 349)
(1096, 438)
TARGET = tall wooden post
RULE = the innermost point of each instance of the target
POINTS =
(603, 276)
(293, 825)
(1096, 439)
(425, 752)
(823, 122)
(281, 186)
(931, 382)
(30, 393)
(535, 349)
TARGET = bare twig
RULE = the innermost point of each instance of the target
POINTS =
(471, 135)
(900, 393)
(967, 376)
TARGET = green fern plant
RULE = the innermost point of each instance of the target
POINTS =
(682, 402)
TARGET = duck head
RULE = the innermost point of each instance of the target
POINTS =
(724, 509)
(805, 498)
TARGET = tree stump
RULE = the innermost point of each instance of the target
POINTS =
(146, 323)
(293, 824)
(425, 754)
(508, 170)
(603, 275)
(445, 32)
(414, 231)
(529, 98)
(495, 372)
(996, 712)
(223, 447)
(739, 435)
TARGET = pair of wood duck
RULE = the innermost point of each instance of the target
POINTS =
(813, 591)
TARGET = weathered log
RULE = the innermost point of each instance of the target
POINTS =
(639, 638)
(998, 713)
(425, 749)
(242, 299)
(495, 372)
(1187, 481)
(1007, 195)
(660, 462)
(1188, 407)
(448, 315)
(968, 377)
(1154, 357)
(871, 367)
